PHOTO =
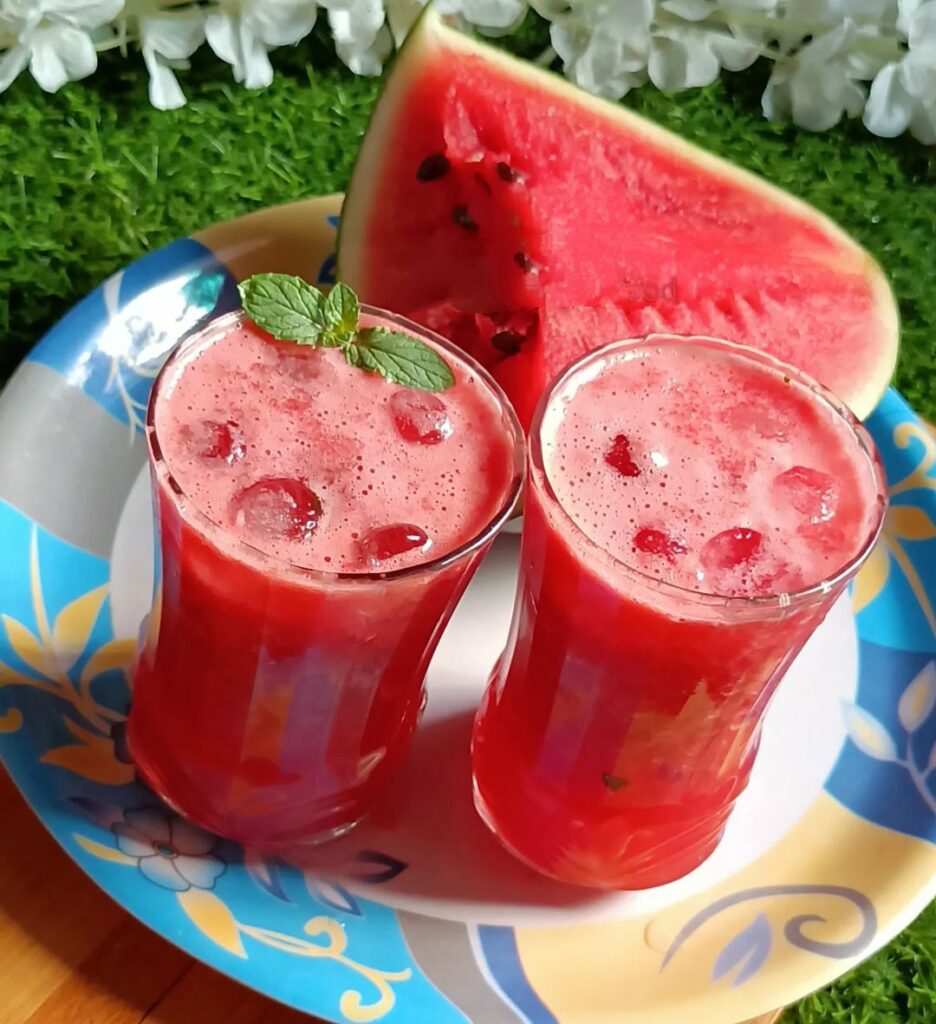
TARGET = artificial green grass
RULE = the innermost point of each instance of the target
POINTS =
(92, 177)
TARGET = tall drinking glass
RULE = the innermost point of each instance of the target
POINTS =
(316, 526)
(694, 509)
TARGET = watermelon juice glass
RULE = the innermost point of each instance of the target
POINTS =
(317, 525)
(694, 509)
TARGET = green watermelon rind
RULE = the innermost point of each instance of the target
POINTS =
(430, 36)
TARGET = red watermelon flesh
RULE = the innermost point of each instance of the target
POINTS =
(530, 223)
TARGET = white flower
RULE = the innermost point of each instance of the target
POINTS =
(52, 37)
(683, 57)
(493, 16)
(904, 92)
(167, 39)
(816, 86)
(605, 46)
(401, 14)
(362, 39)
(241, 32)
(608, 48)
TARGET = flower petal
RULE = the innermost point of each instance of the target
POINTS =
(165, 93)
(356, 24)
(494, 13)
(221, 33)
(923, 123)
(889, 107)
(90, 14)
(918, 74)
(822, 49)
(368, 61)
(201, 872)
(60, 54)
(681, 61)
(401, 15)
(11, 64)
(162, 871)
(258, 71)
(281, 22)
(906, 9)
(732, 53)
(691, 10)
(131, 842)
(190, 839)
(922, 26)
(151, 821)
(173, 35)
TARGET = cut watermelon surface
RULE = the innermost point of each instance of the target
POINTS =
(530, 222)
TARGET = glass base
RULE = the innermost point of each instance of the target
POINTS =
(292, 842)
(648, 875)
(320, 838)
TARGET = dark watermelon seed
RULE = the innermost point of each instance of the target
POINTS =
(433, 167)
(463, 218)
(505, 172)
(508, 342)
(613, 782)
(524, 262)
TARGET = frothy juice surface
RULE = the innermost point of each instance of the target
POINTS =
(709, 472)
(281, 674)
(684, 497)
(321, 465)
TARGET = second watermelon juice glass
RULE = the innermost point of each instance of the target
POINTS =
(693, 511)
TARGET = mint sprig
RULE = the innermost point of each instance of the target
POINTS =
(293, 310)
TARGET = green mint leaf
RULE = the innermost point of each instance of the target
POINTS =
(353, 354)
(400, 358)
(341, 312)
(285, 306)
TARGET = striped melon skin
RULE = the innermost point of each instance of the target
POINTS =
(531, 222)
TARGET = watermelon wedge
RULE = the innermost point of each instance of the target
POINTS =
(531, 222)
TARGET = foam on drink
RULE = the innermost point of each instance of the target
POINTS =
(321, 465)
(708, 471)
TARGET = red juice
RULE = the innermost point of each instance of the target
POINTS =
(693, 511)
(317, 525)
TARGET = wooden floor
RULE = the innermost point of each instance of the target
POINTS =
(69, 955)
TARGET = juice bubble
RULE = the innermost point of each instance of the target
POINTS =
(396, 539)
(214, 440)
(420, 417)
(656, 542)
(277, 506)
(810, 491)
(619, 457)
(731, 548)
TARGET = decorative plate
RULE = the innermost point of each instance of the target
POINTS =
(418, 917)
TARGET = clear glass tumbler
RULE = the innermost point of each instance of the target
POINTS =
(622, 720)
(272, 703)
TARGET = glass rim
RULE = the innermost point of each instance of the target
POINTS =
(237, 547)
(754, 604)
